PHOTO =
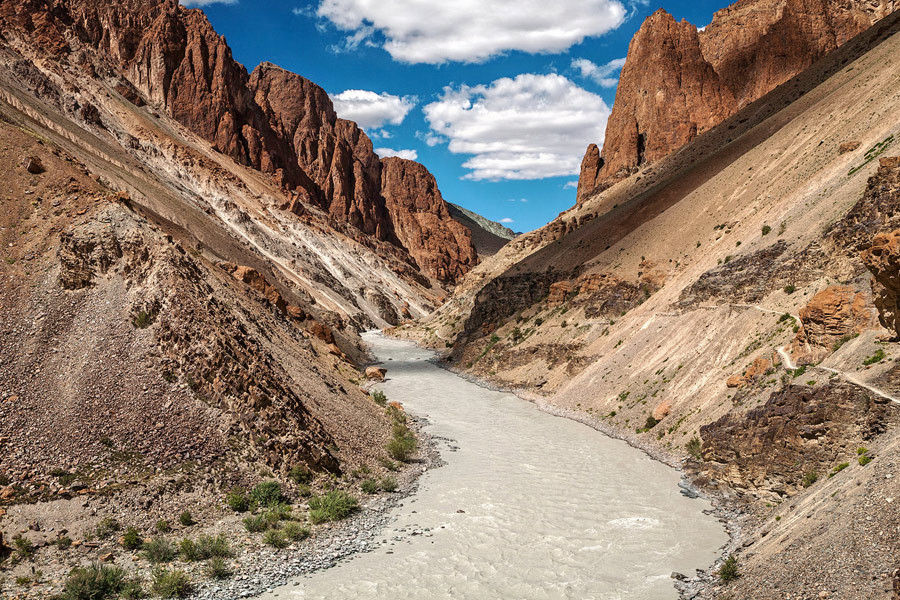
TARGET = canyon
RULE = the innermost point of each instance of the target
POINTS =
(194, 252)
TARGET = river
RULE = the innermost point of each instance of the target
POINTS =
(528, 506)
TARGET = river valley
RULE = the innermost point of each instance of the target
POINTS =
(527, 506)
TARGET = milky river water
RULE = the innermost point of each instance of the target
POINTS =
(527, 506)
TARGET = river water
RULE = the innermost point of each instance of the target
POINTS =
(527, 507)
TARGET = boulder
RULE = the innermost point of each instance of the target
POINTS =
(662, 410)
(882, 258)
(33, 165)
(376, 373)
(848, 147)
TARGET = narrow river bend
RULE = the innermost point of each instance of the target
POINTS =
(528, 506)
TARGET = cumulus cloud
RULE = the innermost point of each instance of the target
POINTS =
(529, 127)
(571, 184)
(407, 154)
(421, 31)
(604, 75)
(201, 3)
(506, 220)
(371, 110)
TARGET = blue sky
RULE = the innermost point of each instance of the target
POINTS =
(498, 98)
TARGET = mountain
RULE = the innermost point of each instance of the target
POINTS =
(487, 236)
(679, 81)
(730, 308)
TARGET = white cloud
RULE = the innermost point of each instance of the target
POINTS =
(407, 154)
(601, 74)
(530, 127)
(571, 184)
(506, 220)
(371, 110)
(201, 3)
(423, 31)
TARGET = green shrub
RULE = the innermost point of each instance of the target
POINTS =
(278, 513)
(766, 230)
(729, 570)
(275, 538)
(301, 474)
(388, 464)
(100, 582)
(694, 447)
(864, 460)
(843, 340)
(267, 493)
(403, 445)
(163, 526)
(388, 484)
(217, 568)
(186, 519)
(295, 531)
(790, 288)
(237, 500)
(23, 546)
(132, 539)
(333, 506)
(369, 486)
(106, 528)
(379, 398)
(877, 357)
(838, 469)
(63, 542)
(256, 523)
(810, 478)
(303, 490)
(159, 550)
(171, 584)
(861, 450)
(204, 548)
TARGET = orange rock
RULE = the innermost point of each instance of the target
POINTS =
(662, 410)
(889, 162)
(759, 367)
(323, 332)
(735, 381)
(848, 147)
(375, 373)
(559, 292)
(882, 258)
(832, 314)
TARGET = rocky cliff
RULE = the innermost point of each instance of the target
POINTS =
(272, 120)
(678, 81)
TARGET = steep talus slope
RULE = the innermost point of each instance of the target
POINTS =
(728, 288)
(272, 120)
(487, 236)
(679, 81)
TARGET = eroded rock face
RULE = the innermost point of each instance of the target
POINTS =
(798, 430)
(882, 258)
(441, 246)
(272, 120)
(678, 82)
(834, 314)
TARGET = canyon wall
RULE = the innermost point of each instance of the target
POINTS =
(679, 81)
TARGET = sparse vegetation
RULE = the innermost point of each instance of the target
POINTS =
(403, 445)
(204, 548)
(301, 474)
(256, 523)
(275, 538)
(163, 526)
(335, 505)
(238, 500)
(693, 447)
(23, 546)
(810, 478)
(295, 532)
(63, 542)
(379, 398)
(838, 468)
(106, 528)
(159, 550)
(217, 568)
(369, 486)
(388, 484)
(100, 582)
(186, 519)
(766, 230)
(843, 340)
(132, 539)
(267, 493)
(729, 570)
(875, 358)
(171, 584)
(790, 289)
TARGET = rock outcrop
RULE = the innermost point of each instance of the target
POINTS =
(272, 120)
(882, 258)
(834, 314)
(679, 81)
(440, 246)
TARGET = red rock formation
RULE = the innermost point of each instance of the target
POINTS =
(883, 260)
(831, 315)
(679, 81)
(441, 246)
(273, 120)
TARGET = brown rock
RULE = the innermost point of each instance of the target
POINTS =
(323, 332)
(678, 82)
(832, 314)
(882, 258)
(759, 367)
(559, 292)
(889, 162)
(296, 312)
(376, 373)
(441, 246)
(33, 165)
(588, 180)
(848, 147)
(662, 410)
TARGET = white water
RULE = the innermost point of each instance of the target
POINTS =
(529, 507)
